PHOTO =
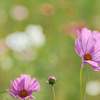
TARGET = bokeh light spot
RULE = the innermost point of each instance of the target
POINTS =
(19, 13)
(93, 88)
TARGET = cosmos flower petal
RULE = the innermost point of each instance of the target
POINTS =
(97, 54)
(17, 81)
(97, 49)
(96, 59)
(95, 68)
(24, 98)
(83, 37)
(17, 96)
(26, 81)
(97, 46)
(90, 45)
(83, 63)
(33, 82)
(80, 42)
(85, 34)
(78, 48)
(12, 94)
(15, 84)
(96, 35)
(21, 84)
(35, 85)
(94, 65)
(78, 32)
(36, 88)
(14, 87)
(30, 97)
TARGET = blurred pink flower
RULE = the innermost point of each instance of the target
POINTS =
(72, 27)
(87, 45)
(47, 9)
(23, 87)
(19, 13)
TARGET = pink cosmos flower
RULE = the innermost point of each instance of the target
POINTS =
(87, 45)
(23, 87)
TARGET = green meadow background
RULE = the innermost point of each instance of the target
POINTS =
(59, 20)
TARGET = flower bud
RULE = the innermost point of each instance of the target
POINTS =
(52, 80)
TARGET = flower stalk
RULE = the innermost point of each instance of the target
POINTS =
(53, 92)
(52, 81)
(81, 83)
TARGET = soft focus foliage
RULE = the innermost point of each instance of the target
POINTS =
(46, 50)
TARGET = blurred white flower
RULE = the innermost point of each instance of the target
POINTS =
(36, 36)
(3, 16)
(18, 41)
(6, 63)
(19, 13)
(93, 88)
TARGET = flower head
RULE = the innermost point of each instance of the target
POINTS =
(52, 80)
(87, 45)
(23, 87)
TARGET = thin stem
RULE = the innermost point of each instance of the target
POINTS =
(81, 83)
(88, 70)
(53, 92)
(85, 86)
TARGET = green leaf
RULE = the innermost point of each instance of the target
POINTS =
(2, 92)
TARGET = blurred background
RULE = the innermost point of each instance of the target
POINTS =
(37, 38)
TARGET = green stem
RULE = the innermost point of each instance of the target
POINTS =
(81, 83)
(85, 88)
(53, 92)
(86, 81)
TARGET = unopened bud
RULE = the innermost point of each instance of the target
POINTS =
(52, 80)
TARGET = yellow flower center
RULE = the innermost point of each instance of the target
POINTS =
(23, 93)
(87, 57)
